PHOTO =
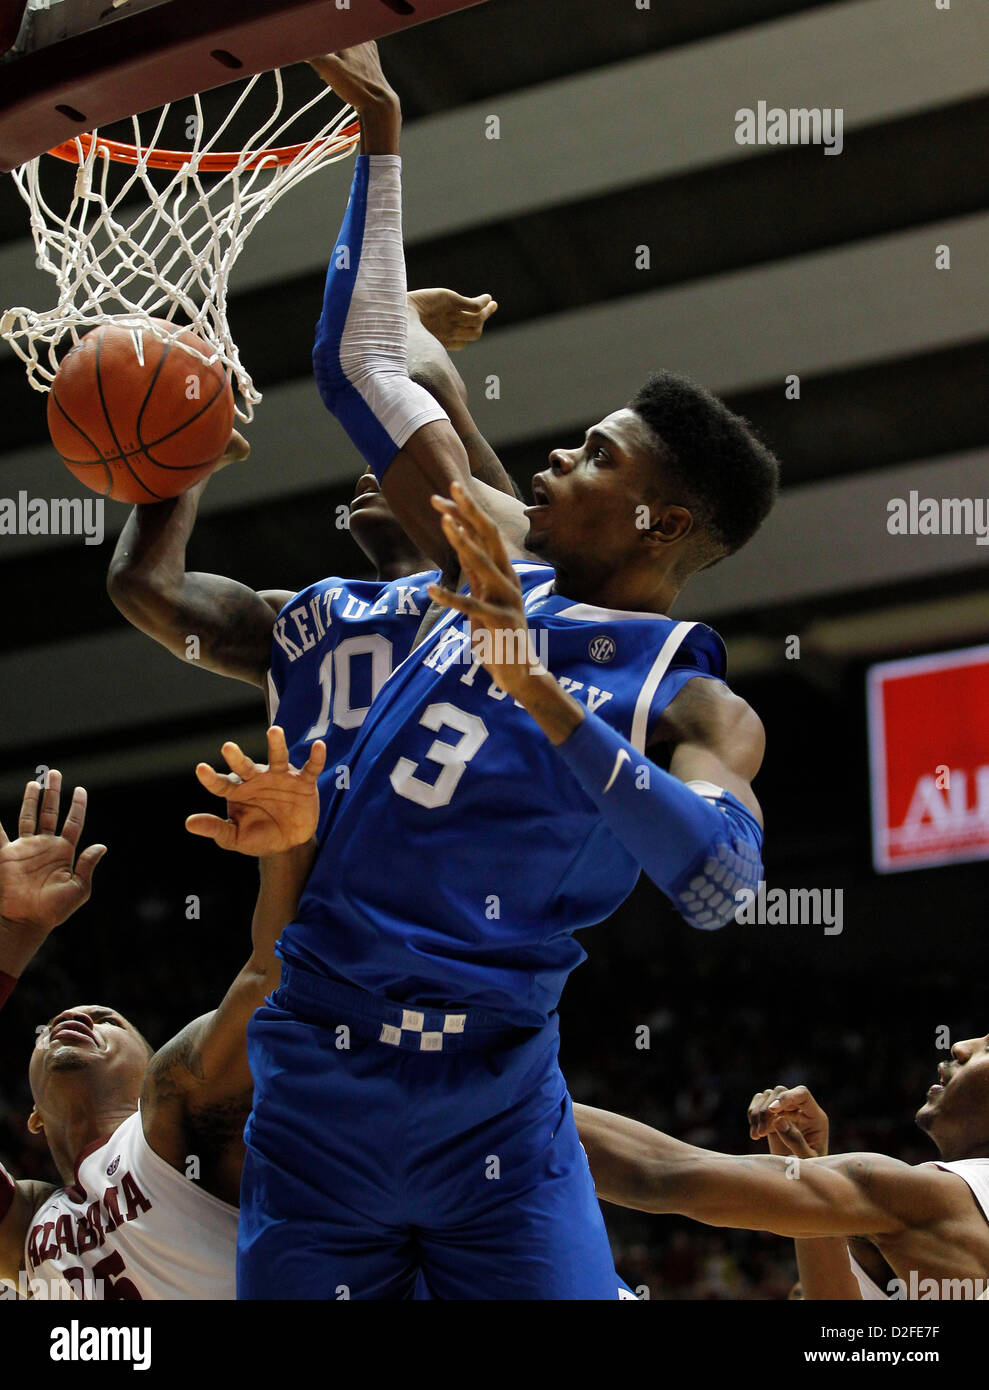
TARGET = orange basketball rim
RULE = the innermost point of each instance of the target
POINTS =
(216, 162)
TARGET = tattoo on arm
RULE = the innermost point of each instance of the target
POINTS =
(164, 1078)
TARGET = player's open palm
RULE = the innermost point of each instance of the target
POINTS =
(42, 882)
(791, 1119)
(269, 808)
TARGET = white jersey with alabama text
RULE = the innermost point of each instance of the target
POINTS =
(974, 1171)
(133, 1227)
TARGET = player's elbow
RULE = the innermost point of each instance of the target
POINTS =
(130, 588)
(259, 977)
(443, 383)
(712, 919)
(143, 598)
(725, 875)
(727, 880)
(123, 582)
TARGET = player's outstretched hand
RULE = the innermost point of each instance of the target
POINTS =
(499, 628)
(41, 881)
(269, 808)
(356, 75)
(791, 1119)
(452, 318)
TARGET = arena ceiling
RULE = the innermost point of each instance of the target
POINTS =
(616, 133)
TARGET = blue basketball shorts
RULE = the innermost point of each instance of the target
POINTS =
(378, 1156)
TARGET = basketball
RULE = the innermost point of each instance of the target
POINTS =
(137, 419)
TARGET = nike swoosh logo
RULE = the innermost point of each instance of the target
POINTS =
(622, 757)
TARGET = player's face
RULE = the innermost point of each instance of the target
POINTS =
(91, 1042)
(373, 525)
(958, 1102)
(592, 505)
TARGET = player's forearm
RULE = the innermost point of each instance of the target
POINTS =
(381, 123)
(16, 1210)
(217, 1042)
(557, 713)
(671, 830)
(624, 1156)
(148, 563)
(282, 879)
(430, 364)
(445, 385)
(19, 944)
(636, 1166)
(360, 360)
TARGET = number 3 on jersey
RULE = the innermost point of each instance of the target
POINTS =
(452, 757)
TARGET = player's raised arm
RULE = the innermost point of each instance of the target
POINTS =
(867, 1194)
(203, 1072)
(441, 321)
(360, 359)
(149, 584)
(42, 882)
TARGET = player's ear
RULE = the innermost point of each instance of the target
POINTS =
(35, 1123)
(670, 522)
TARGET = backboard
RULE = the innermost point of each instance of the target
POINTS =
(77, 64)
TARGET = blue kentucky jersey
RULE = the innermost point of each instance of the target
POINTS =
(462, 855)
(333, 647)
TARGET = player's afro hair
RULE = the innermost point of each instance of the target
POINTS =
(725, 470)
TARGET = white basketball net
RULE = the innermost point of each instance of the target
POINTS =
(167, 257)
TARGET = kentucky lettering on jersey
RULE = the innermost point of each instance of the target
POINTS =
(333, 647)
(310, 615)
(461, 854)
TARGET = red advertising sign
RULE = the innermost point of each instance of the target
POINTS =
(929, 751)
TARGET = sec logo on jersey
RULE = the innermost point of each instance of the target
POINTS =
(601, 649)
